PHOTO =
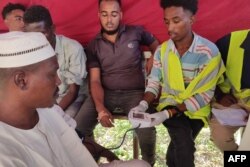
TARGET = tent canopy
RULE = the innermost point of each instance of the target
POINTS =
(78, 19)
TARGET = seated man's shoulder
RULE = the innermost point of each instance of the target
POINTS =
(225, 39)
(11, 144)
(68, 41)
(240, 31)
(208, 45)
(52, 113)
(134, 28)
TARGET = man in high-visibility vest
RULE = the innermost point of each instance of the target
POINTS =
(235, 51)
(187, 68)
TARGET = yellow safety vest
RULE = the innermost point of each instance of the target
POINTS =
(234, 66)
(172, 76)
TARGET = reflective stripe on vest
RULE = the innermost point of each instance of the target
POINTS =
(172, 75)
(235, 54)
(234, 65)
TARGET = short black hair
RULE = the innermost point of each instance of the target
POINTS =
(11, 6)
(38, 13)
(119, 1)
(191, 5)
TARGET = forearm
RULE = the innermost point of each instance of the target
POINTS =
(182, 107)
(199, 100)
(70, 97)
(154, 46)
(149, 97)
(153, 85)
(149, 61)
(97, 93)
(149, 64)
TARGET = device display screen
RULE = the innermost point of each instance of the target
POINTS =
(138, 115)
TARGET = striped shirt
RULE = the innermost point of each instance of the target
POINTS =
(193, 62)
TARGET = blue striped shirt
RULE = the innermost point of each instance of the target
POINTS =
(193, 62)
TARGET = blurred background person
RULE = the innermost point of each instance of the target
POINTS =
(12, 15)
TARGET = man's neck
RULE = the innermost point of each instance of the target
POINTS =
(14, 116)
(111, 38)
(53, 42)
(183, 45)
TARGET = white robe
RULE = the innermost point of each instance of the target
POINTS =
(51, 143)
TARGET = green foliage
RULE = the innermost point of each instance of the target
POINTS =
(207, 155)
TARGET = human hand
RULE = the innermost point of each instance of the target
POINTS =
(159, 117)
(227, 100)
(142, 107)
(109, 155)
(105, 118)
(98, 151)
(139, 119)
(148, 65)
(244, 105)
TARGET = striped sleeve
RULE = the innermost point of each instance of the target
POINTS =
(200, 100)
(155, 76)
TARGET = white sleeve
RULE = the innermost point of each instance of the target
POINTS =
(70, 121)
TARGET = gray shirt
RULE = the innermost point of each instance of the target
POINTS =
(120, 62)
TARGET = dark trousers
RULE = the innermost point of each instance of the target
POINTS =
(121, 101)
(183, 132)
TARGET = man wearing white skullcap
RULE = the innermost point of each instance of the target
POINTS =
(33, 134)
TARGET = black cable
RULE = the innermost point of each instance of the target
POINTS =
(113, 148)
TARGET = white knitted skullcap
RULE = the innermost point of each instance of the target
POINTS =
(19, 49)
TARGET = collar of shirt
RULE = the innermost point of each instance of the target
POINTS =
(191, 48)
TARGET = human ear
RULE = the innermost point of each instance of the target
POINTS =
(192, 19)
(121, 15)
(6, 22)
(20, 79)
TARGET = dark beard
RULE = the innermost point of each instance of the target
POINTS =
(110, 32)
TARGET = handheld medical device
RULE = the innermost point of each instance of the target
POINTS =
(140, 120)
